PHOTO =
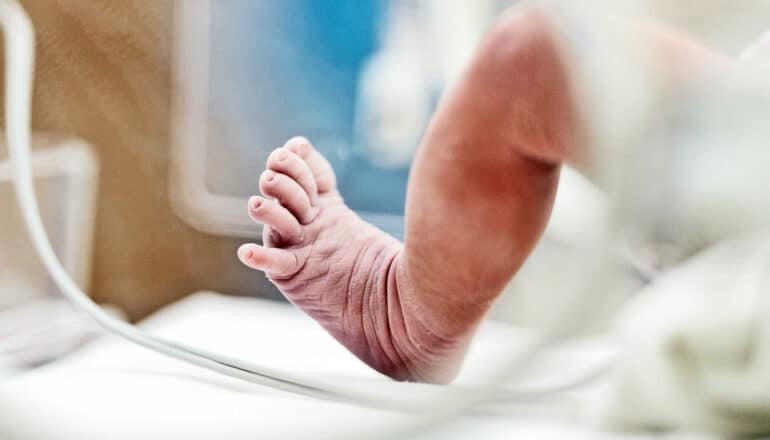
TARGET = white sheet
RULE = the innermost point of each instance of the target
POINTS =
(113, 390)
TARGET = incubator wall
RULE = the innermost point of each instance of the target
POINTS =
(253, 76)
(36, 323)
(358, 78)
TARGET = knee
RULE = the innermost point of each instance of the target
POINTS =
(518, 35)
(520, 56)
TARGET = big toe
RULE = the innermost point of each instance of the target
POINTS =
(325, 178)
(289, 163)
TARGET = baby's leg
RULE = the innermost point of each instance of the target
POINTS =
(479, 197)
(485, 176)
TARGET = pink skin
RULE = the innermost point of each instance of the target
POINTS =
(327, 261)
(480, 194)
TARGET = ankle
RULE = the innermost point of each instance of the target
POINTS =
(430, 342)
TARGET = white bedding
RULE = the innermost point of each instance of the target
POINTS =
(113, 390)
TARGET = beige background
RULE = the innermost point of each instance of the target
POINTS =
(103, 74)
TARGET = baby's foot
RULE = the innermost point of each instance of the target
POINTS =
(480, 193)
(340, 270)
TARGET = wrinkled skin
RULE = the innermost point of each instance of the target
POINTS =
(480, 194)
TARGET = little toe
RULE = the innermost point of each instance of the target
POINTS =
(325, 178)
(270, 213)
(276, 263)
(289, 163)
(289, 194)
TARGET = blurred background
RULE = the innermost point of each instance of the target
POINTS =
(153, 120)
(169, 109)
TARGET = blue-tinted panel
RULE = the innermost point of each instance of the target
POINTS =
(291, 67)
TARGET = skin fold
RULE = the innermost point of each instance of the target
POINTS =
(480, 194)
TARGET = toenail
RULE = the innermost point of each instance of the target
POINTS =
(269, 176)
(256, 204)
(297, 145)
(282, 155)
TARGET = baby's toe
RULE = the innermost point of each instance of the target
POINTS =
(278, 218)
(325, 178)
(289, 194)
(277, 263)
(286, 162)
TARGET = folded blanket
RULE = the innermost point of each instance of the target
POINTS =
(697, 346)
